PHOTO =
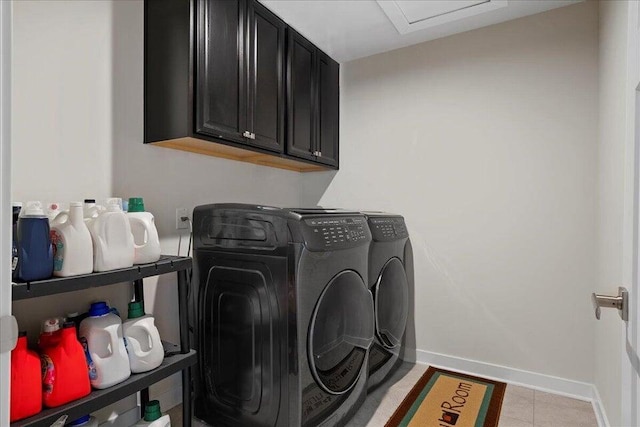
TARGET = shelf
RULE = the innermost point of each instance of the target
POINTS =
(57, 285)
(98, 399)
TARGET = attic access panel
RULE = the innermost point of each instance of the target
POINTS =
(413, 15)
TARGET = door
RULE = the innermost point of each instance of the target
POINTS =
(266, 98)
(5, 177)
(338, 341)
(391, 298)
(301, 98)
(327, 126)
(631, 345)
(220, 69)
(241, 338)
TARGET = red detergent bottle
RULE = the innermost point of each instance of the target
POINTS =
(64, 370)
(26, 382)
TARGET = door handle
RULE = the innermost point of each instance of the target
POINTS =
(621, 302)
(249, 135)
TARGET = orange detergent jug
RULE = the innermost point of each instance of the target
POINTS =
(26, 385)
(65, 375)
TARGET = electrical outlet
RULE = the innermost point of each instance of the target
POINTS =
(180, 224)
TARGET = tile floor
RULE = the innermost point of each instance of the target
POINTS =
(522, 407)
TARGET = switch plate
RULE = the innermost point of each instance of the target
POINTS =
(180, 224)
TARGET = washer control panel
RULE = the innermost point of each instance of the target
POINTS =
(388, 228)
(336, 232)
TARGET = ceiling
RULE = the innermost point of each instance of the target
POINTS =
(351, 29)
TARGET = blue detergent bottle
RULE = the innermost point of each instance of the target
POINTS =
(34, 244)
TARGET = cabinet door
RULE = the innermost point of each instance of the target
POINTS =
(327, 126)
(220, 69)
(301, 135)
(265, 113)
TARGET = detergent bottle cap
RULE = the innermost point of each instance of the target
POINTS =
(33, 208)
(136, 310)
(80, 421)
(114, 204)
(51, 325)
(98, 309)
(136, 204)
(152, 411)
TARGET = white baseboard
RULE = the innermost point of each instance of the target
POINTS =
(546, 383)
(598, 408)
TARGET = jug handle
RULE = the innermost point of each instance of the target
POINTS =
(144, 224)
(149, 337)
(61, 218)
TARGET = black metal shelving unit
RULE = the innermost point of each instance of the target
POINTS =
(181, 360)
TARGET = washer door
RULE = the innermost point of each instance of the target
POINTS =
(341, 332)
(392, 303)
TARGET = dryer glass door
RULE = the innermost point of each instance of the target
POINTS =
(392, 303)
(342, 329)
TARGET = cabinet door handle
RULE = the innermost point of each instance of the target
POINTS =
(317, 153)
(249, 135)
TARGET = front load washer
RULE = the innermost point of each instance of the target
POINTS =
(390, 255)
(285, 318)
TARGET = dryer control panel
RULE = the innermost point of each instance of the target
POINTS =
(386, 229)
(336, 232)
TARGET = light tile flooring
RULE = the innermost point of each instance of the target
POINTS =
(522, 407)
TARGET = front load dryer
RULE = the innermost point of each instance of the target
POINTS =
(285, 318)
(390, 268)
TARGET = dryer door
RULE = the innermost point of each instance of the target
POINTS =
(342, 329)
(391, 303)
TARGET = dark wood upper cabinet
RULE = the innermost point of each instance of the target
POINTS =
(220, 72)
(328, 116)
(301, 90)
(228, 78)
(313, 102)
(266, 96)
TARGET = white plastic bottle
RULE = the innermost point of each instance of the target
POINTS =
(102, 332)
(72, 245)
(113, 245)
(145, 234)
(153, 416)
(143, 340)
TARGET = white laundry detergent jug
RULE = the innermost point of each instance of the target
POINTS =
(71, 240)
(102, 334)
(153, 416)
(112, 240)
(142, 339)
(145, 234)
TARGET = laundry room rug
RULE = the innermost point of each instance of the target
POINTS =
(443, 398)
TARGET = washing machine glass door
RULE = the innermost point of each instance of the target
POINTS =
(391, 303)
(342, 329)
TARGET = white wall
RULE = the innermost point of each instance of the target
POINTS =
(486, 141)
